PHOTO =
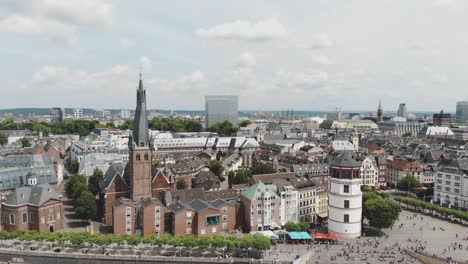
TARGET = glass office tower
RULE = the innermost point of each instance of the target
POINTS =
(219, 108)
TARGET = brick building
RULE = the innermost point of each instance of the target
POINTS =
(32, 208)
(261, 207)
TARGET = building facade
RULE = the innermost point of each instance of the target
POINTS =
(369, 173)
(221, 108)
(36, 208)
(461, 115)
(56, 115)
(345, 197)
(451, 184)
(442, 119)
(261, 205)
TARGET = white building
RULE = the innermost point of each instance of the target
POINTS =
(451, 184)
(77, 113)
(436, 132)
(344, 197)
(369, 173)
(125, 113)
(289, 202)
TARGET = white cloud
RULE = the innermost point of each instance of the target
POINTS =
(120, 69)
(245, 30)
(40, 27)
(146, 64)
(307, 79)
(320, 42)
(55, 20)
(78, 12)
(320, 59)
(48, 72)
(440, 78)
(247, 60)
(444, 3)
(418, 83)
(180, 84)
(127, 43)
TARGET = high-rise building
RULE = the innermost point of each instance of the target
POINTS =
(442, 119)
(462, 112)
(140, 151)
(219, 108)
(345, 197)
(402, 110)
(56, 115)
(380, 112)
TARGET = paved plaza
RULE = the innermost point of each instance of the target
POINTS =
(412, 231)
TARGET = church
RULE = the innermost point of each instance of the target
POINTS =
(130, 195)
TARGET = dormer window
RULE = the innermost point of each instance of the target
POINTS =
(142, 144)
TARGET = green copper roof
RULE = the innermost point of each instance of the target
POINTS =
(258, 191)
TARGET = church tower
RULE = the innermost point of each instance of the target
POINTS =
(140, 150)
(380, 112)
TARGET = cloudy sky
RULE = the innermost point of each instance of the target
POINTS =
(309, 55)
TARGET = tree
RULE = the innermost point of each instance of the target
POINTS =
(224, 129)
(74, 166)
(94, 180)
(3, 139)
(25, 143)
(381, 213)
(245, 123)
(70, 184)
(242, 176)
(85, 205)
(181, 184)
(407, 134)
(216, 167)
(409, 182)
(263, 169)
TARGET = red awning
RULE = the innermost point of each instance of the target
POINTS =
(325, 236)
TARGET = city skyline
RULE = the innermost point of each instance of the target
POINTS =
(315, 55)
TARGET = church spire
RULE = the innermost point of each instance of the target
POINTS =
(140, 123)
(380, 112)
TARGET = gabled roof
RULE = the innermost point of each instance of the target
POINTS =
(345, 160)
(178, 207)
(184, 196)
(34, 195)
(201, 205)
(116, 169)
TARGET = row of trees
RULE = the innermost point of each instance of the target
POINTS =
(191, 241)
(297, 227)
(175, 125)
(83, 193)
(420, 205)
(378, 209)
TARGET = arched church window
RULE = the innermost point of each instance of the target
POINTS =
(146, 156)
(137, 156)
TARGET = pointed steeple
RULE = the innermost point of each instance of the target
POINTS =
(380, 104)
(140, 123)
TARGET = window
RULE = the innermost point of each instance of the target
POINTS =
(25, 218)
(51, 217)
(213, 229)
(224, 226)
(457, 184)
(447, 189)
(188, 231)
(456, 190)
(346, 203)
(203, 231)
(224, 209)
(224, 217)
(448, 182)
(146, 156)
(439, 181)
(346, 188)
(457, 178)
(346, 218)
(12, 219)
(212, 220)
(189, 214)
(138, 157)
(189, 222)
(31, 217)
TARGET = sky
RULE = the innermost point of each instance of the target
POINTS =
(275, 55)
